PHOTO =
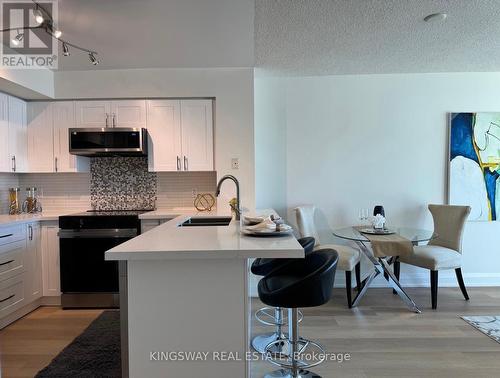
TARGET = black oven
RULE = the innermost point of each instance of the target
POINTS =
(87, 280)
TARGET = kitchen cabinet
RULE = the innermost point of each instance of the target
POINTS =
(48, 138)
(181, 135)
(50, 259)
(118, 113)
(33, 262)
(18, 146)
(5, 162)
(92, 113)
(197, 135)
(40, 137)
(164, 133)
(63, 116)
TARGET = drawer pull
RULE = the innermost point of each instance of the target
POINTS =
(5, 236)
(7, 262)
(6, 299)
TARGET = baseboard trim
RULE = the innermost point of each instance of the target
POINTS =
(447, 278)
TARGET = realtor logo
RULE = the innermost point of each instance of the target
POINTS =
(27, 34)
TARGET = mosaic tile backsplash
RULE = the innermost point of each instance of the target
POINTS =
(122, 183)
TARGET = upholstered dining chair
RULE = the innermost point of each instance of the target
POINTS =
(349, 258)
(445, 250)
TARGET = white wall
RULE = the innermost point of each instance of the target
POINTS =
(232, 88)
(27, 84)
(270, 144)
(357, 141)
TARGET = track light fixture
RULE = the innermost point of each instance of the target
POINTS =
(46, 23)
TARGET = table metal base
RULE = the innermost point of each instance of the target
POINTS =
(382, 267)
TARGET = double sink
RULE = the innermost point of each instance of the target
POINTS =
(206, 221)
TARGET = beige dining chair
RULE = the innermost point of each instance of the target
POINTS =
(349, 258)
(445, 250)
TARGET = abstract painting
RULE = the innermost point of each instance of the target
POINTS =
(474, 173)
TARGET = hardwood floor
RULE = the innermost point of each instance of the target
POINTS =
(383, 338)
(29, 344)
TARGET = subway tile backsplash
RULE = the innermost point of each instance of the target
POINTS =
(120, 182)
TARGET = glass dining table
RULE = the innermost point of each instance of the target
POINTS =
(382, 264)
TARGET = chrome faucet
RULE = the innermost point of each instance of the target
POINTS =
(235, 180)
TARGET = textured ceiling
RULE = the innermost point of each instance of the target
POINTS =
(320, 37)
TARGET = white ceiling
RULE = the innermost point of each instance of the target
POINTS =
(293, 37)
(158, 33)
(311, 37)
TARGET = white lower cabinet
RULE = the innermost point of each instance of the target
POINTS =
(33, 262)
(50, 259)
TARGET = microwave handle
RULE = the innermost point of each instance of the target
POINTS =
(107, 120)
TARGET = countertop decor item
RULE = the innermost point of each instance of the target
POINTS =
(204, 202)
(14, 206)
(379, 209)
(31, 204)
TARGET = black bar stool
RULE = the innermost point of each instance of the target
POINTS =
(300, 283)
(273, 316)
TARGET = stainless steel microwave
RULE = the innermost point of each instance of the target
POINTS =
(119, 141)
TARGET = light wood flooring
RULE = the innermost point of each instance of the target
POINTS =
(383, 338)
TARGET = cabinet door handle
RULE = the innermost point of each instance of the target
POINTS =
(30, 228)
(6, 299)
(13, 163)
(7, 262)
(5, 236)
(107, 119)
(114, 120)
(178, 163)
(185, 163)
(55, 163)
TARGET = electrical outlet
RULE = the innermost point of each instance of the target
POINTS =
(194, 192)
(235, 163)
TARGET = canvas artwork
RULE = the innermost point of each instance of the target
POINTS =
(475, 164)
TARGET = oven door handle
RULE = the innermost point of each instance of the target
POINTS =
(98, 233)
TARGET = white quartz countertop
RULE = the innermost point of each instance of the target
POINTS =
(6, 219)
(169, 241)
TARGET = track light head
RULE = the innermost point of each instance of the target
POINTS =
(93, 59)
(65, 49)
(57, 33)
(37, 13)
(17, 39)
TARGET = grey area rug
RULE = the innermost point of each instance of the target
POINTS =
(95, 353)
(489, 325)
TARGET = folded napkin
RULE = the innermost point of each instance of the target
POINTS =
(378, 221)
(270, 223)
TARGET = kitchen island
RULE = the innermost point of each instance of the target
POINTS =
(185, 298)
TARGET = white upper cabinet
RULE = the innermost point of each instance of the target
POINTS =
(93, 113)
(164, 130)
(118, 113)
(128, 113)
(5, 161)
(40, 138)
(197, 135)
(18, 146)
(180, 135)
(63, 115)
